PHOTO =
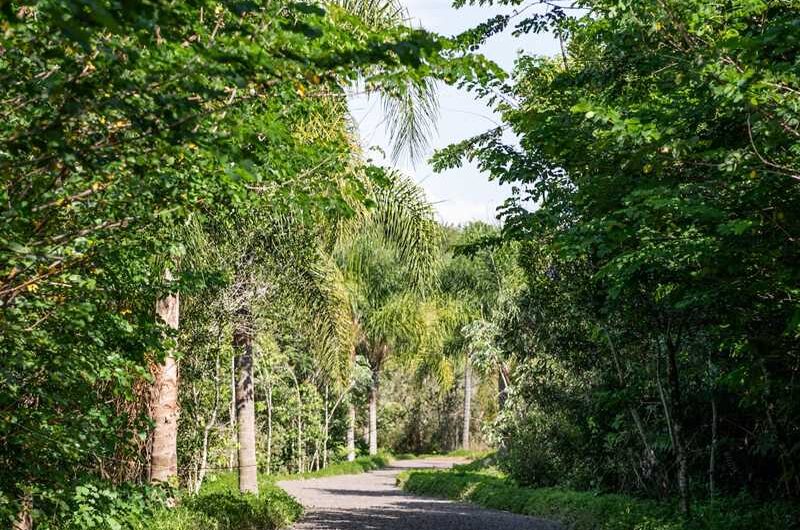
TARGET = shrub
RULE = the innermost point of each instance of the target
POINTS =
(273, 508)
(586, 510)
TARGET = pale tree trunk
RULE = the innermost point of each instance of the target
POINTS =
(164, 404)
(467, 402)
(502, 387)
(209, 424)
(326, 430)
(245, 405)
(24, 520)
(351, 433)
(301, 450)
(373, 414)
(269, 428)
(232, 418)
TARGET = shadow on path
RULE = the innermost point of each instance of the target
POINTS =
(371, 501)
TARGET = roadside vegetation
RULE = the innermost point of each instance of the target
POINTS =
(594, 510)
(206, 285)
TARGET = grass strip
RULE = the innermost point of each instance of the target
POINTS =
(581, 510)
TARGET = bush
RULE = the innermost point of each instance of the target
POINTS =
(584, 510)
(273, 508)
(180, 518)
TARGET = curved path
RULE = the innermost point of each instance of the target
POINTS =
(371, 501)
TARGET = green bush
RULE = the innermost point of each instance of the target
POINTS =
(585, 510)
(180, 518)
(272, 508)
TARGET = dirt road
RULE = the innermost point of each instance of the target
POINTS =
(371, 501)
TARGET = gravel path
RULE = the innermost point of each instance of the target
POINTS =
(371, 501)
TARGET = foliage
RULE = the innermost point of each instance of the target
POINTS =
(122, 124)
(584, 510)
(655, 203)
(273, 508)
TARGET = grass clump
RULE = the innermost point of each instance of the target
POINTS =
(272, 508)
(227, 509)
(582, 510)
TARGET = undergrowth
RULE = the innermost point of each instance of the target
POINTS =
(581, 510)
(228, 481)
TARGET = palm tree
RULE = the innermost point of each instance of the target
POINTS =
(388, 257)
(485, 277)
(411, 109)
(164, 396)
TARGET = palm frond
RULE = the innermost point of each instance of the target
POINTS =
(411, 111)
(377, 14)
(411, 108)
(406, 219)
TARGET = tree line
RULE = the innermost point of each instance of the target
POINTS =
(654, 346)
(190, 232)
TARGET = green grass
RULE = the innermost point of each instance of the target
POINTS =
(220, 506)
(463, 453)
(228, 481)
(580, 510)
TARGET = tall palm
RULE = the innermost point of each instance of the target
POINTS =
(485, 277)
(388, 258)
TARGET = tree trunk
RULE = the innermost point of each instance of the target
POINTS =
(24, 520)
(326, 430)
(649, 455)
(502, 386)
(712, 457)
(164, 404)
(232, 417)
(351, 433)
(467, 402)
(679, 443)
(373, 414)
(269, 429)
(245, 406)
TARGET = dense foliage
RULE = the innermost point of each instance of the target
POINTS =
(656, 202)
(135, 140)
(588, 510)
(203, 281)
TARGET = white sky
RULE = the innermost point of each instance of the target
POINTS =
(464, 194)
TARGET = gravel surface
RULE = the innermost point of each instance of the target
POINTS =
(371, 501)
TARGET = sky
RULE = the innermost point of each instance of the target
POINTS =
(463, 194)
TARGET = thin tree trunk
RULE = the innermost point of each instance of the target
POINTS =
(269, 429)
(679, 444)
(299, 420)
(201, 472)
(373, 414)
(164, 404)
(326, 431)
(233, 431)
(650, 455)
(210, 423)
(24, 520)
(351, 433)
(502, 388)
(245, 405)
(467, 402)
(300, 444)
(712, 464)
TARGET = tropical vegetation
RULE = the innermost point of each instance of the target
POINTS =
(205, 284)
